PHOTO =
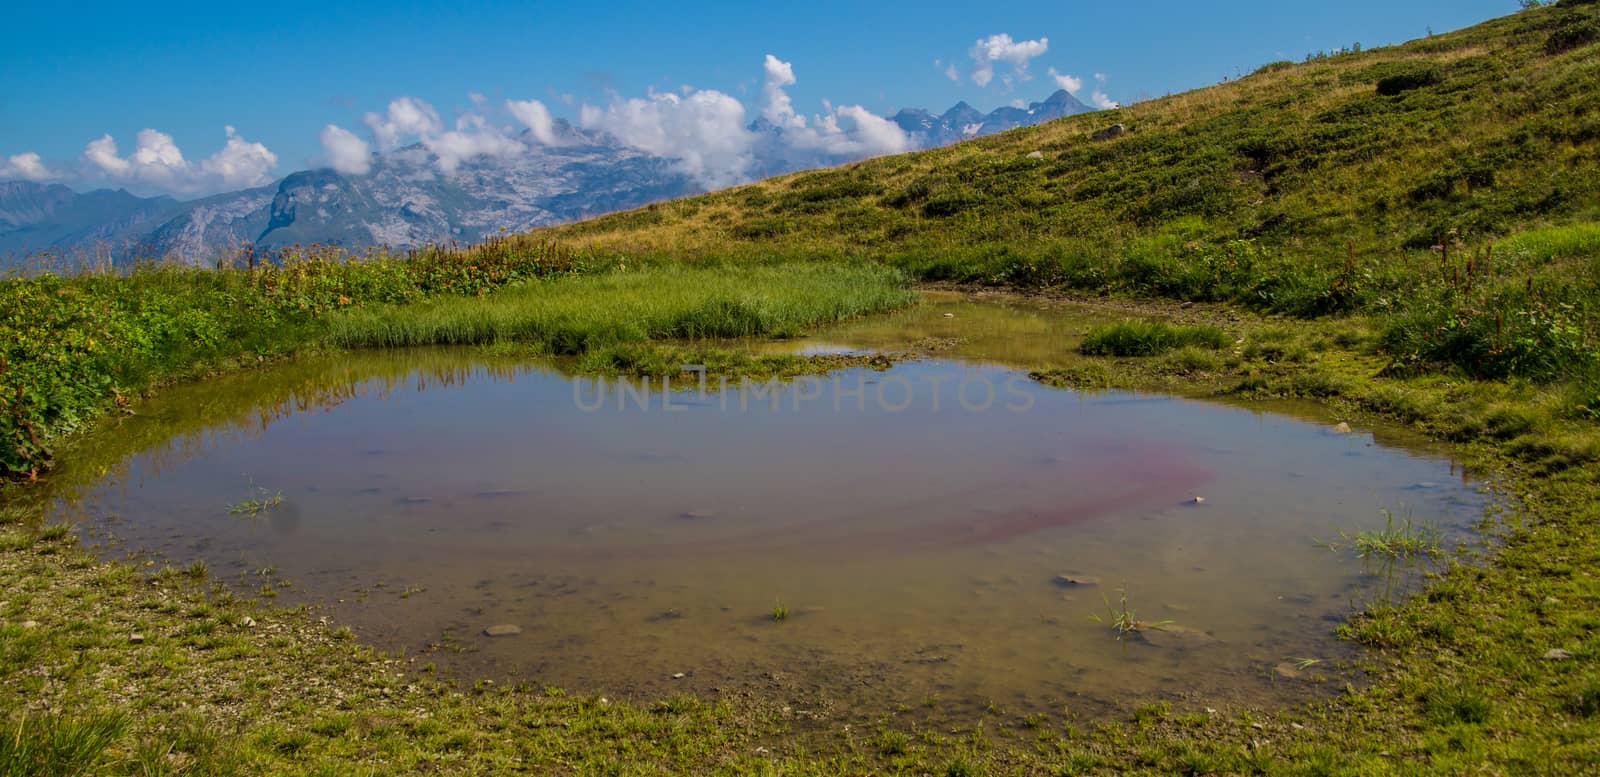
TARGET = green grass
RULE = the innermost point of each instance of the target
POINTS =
(1149, 338)
(262, 503)
(1407, 539)
(53, 745)
(579, 315)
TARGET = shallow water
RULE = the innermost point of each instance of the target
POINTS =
(912, 526)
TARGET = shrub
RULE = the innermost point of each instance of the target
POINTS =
(1407, 79)
(1573, 31)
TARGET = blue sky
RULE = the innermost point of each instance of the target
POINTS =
(279, 73)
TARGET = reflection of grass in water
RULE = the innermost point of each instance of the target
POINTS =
(1124, 622)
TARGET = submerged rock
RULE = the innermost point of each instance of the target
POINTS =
(1173, 635)
(503, 630)
(1076, 581)
(1288, 671)
(697, 515)
(1342, 428)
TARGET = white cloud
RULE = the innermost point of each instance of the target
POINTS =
(776, 106)
(472, 138)
(951, 73)
(861, 132)
(344, 151)
(703, 131)
(27, 166)
(408, 119)
(868, 135)
(159, 163)
(1071, 83)
(1019, 103)
(239, 162)
(536, 117)
(1000, 48)
(1099, 98)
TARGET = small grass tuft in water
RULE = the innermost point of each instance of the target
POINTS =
(1400, 539)
(1149, 338)
(54, 532)
(262, 503)
(1122, 619)
(780, 613)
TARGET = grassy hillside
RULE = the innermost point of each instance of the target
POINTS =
(1386, 181)
(1494, 128)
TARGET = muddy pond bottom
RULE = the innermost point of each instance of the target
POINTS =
(944, 535)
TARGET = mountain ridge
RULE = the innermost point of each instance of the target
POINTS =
(402, 202)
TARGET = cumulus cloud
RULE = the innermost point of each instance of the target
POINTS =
(344, 151)
(863, 133)
(472, 138)
(776, 107)
(159, 163)
(27, 166)
(987, 52)
(536, 117)
(706, 132)
(703, 131)
(846, 131)
(239, 162)
(1099, 99)
(408, 119)
(1071, 83)
(411, 120)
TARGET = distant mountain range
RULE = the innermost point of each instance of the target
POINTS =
(406, 201)
(964, 121)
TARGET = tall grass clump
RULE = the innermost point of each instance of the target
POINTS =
(1149, 338)
(577, 315)
(51, 745)
(1528, 308)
